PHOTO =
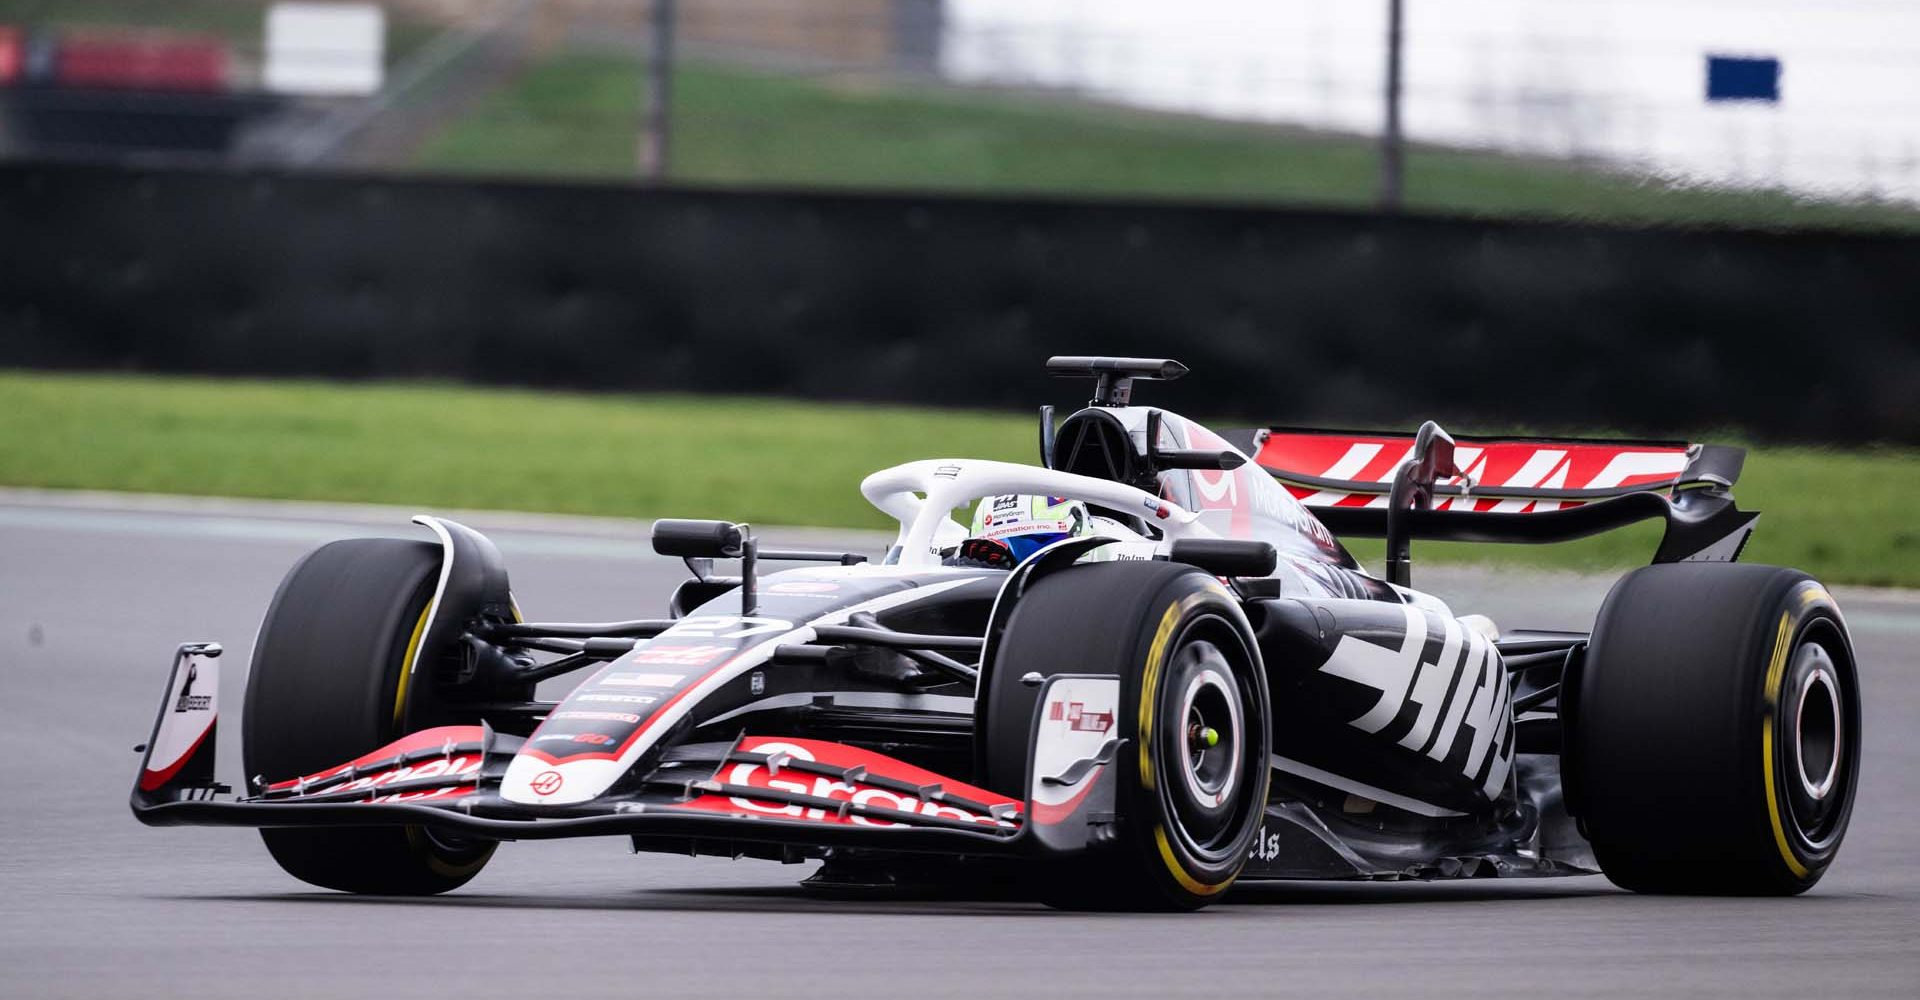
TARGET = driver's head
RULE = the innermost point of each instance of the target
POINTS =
(1010, 527)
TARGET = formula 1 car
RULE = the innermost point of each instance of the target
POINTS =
(1207, 688)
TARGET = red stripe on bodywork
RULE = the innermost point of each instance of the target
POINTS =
(151, 779)
(1053, 814)
(425, 739)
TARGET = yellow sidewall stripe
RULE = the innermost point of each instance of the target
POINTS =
(1149, 695)
(406, 666)
(1776, 669)
(1179, 872)
(1150, 688)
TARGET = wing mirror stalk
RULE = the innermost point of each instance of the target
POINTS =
(699, 543)
(1185, 458)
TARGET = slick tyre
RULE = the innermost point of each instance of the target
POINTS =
(329, 683)
(1714, 738)
(1191, 773)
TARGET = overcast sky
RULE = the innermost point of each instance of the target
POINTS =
(1620, 80)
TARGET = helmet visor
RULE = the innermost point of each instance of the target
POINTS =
(1023, 546)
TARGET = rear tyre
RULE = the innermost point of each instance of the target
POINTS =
(329, 683)
(1192, 774)
(1715, 741)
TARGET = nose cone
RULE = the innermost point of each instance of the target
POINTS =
(534, 780)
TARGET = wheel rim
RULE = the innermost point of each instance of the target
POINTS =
(1210, 714)
(1205, 743)
(1818, 745)
(1818, 732)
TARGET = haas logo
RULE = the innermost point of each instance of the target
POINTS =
(1461, 697)
(188, 701)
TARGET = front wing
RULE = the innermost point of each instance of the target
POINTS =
(767, 789)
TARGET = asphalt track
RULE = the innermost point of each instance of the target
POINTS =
(95, 592)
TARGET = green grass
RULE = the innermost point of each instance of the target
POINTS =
(577, 115)
(1846, 516)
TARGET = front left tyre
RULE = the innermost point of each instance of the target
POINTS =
(329, 682)
(1192, 767)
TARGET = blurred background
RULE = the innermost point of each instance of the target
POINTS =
(1610, 108)
(1659, 218)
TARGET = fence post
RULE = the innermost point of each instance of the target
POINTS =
(654, 136)
(1392, 165)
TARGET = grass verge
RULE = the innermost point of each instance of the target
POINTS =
(577, 115)
(1846, 516)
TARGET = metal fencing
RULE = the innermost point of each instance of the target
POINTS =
(1743, 110)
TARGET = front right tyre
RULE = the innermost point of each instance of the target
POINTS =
(329, 682)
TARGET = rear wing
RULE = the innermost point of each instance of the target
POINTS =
(1474, 489)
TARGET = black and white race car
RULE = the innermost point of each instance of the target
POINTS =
(1200, 686)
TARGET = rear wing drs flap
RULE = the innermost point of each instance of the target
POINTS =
(1511, 489)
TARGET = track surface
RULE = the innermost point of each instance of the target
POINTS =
(94, 905)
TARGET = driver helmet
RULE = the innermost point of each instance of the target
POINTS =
(1012, 526)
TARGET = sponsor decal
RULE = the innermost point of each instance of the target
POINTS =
(642, 680)
(787, 780)
(1078, 719)
(449, 792)
(679, 656)
(725, 627)
(448, 767)
(947, 472)
(594, 739)
(618, 699)
(1370, 461)
(1466, 678)
(546, 782)
(188, 701)
(757, 684)
(626, 717)
(1266, 846)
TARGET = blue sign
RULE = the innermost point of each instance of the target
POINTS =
(1737, 78)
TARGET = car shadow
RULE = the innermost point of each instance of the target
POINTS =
(990, 900)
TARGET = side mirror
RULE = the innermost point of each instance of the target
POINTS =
(690, 539)
(1185, 458)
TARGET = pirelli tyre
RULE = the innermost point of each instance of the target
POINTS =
(1714, 735)
(329, 682)
(1192, 771)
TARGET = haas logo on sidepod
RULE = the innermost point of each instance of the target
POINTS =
(1470, 670)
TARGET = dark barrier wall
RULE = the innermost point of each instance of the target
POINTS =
(1287, 316)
